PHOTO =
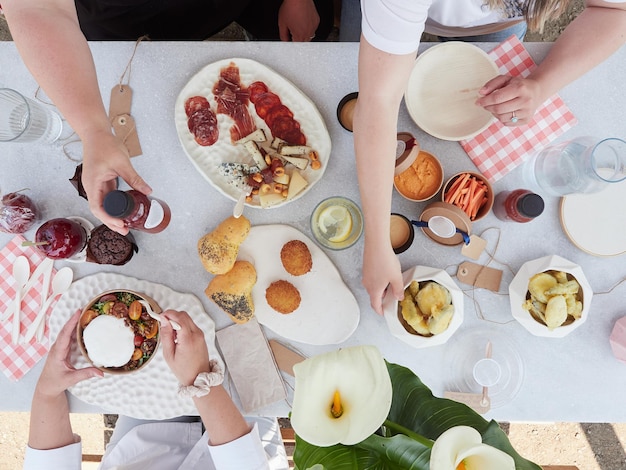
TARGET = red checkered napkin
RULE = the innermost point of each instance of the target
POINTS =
(17, 359)
(499, 149)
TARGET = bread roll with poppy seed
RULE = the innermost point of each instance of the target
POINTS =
(218, 249)
(232, 292)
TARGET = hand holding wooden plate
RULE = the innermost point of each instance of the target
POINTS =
(443, 88)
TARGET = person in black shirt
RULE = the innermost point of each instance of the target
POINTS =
(51, 36)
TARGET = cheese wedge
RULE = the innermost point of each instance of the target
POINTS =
(296, 184)
(299, 162)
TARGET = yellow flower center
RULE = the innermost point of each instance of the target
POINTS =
(335, 408)
(461, 466)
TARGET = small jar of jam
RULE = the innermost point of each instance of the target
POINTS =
(137, 210)
(520, 205)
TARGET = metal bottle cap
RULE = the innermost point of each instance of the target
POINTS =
(530, 205)
(118, 204)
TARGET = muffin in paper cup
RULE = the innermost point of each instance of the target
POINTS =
(526, 301)
(397, 324)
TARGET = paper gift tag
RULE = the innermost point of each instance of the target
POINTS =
(479, 276)
(475, 247)
(121, 120)
(251, 365)
(285, 357)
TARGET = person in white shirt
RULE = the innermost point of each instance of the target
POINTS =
(391, 33)
(229, 443)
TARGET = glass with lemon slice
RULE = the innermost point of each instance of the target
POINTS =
(337, 223)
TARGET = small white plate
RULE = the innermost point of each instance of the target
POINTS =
(443, 87)
(596, 223)
(328, 312)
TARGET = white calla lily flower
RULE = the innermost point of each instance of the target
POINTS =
(341, 397)
(461, 448)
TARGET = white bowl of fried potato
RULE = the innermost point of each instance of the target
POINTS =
(432, 309)
(550, 296)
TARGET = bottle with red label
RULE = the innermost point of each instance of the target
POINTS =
(520, 205)
(137, 210)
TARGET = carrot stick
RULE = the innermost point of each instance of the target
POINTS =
(463, 179)
(454, 186)
(477, 202)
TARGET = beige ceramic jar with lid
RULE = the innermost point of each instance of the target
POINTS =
(418, 175)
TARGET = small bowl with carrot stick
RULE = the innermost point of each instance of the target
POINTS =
(471, 192)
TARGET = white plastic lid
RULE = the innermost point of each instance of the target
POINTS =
(407, 150)
(156, 214)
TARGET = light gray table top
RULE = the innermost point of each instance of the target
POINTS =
(570, 379)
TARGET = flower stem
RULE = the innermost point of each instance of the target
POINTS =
(407, 432)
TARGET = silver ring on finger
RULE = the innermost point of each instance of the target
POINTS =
(514, 118)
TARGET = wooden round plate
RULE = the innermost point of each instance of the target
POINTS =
(595, 223)
(443, 88)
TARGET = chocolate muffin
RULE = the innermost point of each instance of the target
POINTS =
(106, 246)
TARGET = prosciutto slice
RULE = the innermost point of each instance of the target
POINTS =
(232, 100)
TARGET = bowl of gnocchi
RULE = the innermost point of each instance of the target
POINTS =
(550, 296)
(431, 310)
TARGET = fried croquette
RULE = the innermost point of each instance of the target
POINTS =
(282, 296)
(296, 258)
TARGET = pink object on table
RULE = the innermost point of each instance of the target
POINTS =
(17, 359)
(499, 149)
(618, 339)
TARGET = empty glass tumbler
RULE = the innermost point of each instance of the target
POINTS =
(25, 120)
(581, 165)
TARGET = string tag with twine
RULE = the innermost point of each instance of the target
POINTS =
(479, 276)
(475, 247)
(119, 110)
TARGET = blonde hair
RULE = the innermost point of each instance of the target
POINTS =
(536, 12)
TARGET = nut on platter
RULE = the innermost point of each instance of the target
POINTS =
(550, 296)
(431, 311)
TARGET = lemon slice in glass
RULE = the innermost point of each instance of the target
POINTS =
(335, 222)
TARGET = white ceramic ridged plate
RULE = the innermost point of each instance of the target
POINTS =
(443, 87)
(150, 393)
(328, 312)
(207, 159)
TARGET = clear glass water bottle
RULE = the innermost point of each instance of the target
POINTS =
(581, 165)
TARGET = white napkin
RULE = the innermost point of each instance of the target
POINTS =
(251, 365)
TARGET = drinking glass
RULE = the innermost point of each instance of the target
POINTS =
(25, 120)
(581, 165)
(485, 357)
(337, 223)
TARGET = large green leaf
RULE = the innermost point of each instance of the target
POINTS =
(374, 453)
(413, 407)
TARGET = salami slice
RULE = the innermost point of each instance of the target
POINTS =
(265, 102)
(203, 125)
(278, 112)
(286, 128)
(256, 89)
(195, 103)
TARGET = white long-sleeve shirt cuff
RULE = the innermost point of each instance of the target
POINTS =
(245, 452)
(68, 457)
